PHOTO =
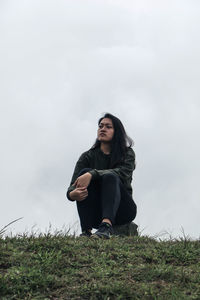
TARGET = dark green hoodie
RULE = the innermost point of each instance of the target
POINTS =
(99, 163)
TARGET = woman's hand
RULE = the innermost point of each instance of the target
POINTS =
(83, 180)
(81, 184)
(79, 194)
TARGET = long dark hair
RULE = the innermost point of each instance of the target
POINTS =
(120, 141)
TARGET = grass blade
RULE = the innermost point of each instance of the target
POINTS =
(6, 226)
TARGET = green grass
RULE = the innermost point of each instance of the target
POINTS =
(65, 267)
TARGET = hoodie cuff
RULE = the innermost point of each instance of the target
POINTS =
(68, 192)
(94, 174)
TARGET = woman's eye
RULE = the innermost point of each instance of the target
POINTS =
(107, 126)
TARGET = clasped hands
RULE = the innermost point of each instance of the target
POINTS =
(81, 184)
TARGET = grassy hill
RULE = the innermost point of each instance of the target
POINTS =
(66, 267)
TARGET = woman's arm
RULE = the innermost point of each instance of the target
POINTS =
(82, 163)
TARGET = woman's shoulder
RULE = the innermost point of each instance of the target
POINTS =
(130, 157)
(89, 153)
(130, 151)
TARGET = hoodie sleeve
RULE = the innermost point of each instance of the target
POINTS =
(83, 162)
(124, 170)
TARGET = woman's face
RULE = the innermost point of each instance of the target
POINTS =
(105, 131)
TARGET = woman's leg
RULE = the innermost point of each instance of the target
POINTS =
(110, 196)
(127, 210)
(117, 204)
(89, 209)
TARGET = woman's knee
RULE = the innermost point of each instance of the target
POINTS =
(110, 177)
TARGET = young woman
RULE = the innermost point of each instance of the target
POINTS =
(101, 183)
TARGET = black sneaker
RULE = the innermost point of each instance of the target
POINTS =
(105, 231)
(86, 233)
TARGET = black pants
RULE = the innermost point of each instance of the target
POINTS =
(107, 198)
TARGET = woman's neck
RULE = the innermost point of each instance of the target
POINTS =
(105, 148)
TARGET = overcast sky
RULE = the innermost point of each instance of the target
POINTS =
(62, 65)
